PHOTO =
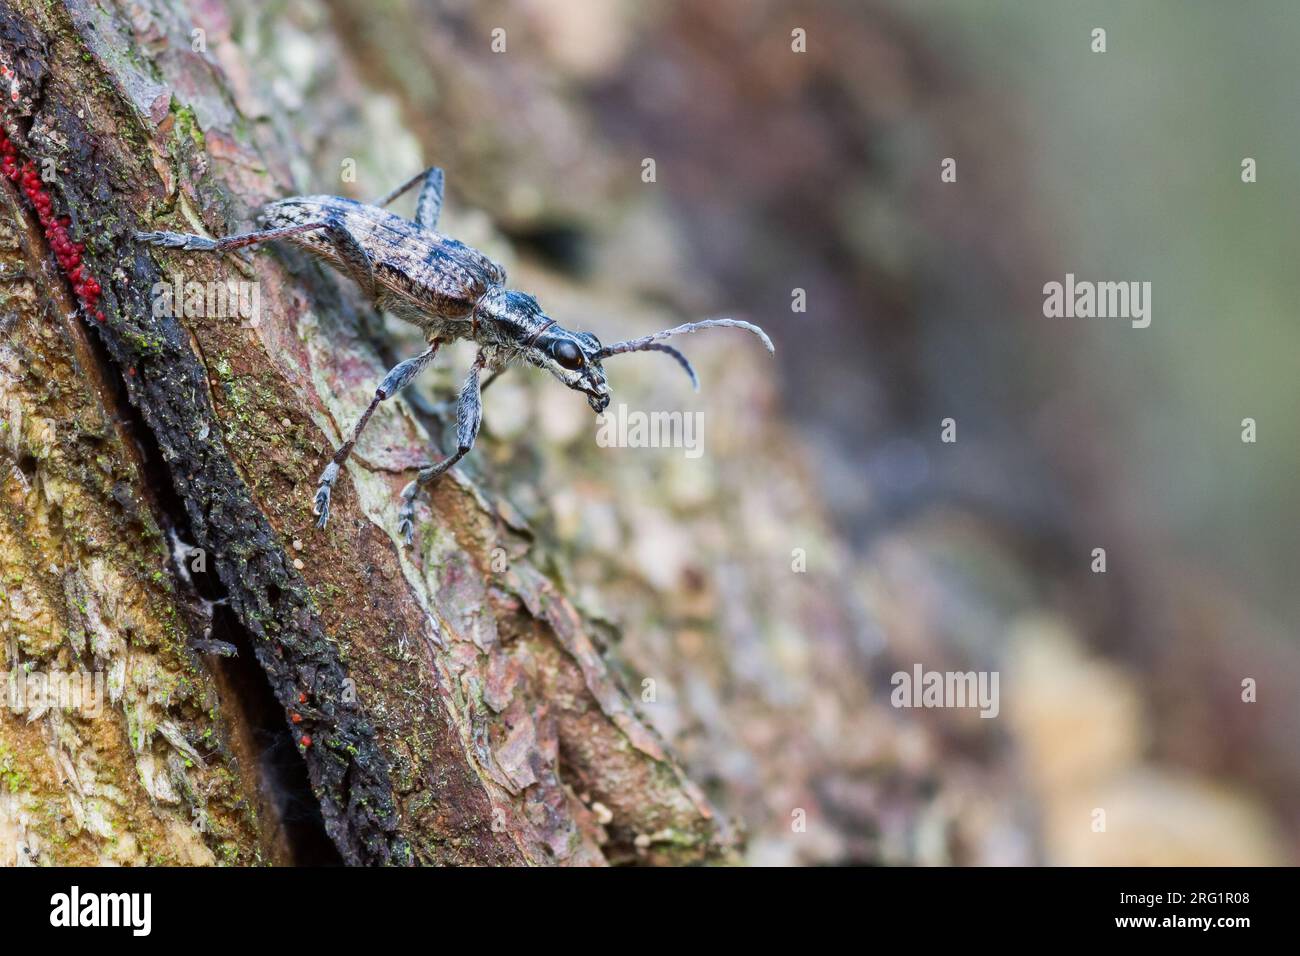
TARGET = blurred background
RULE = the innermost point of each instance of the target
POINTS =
(819, 171)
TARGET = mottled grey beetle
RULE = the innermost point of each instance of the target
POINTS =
(451, 292)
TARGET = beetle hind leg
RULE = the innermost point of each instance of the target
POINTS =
(429, 206)
(193, 243)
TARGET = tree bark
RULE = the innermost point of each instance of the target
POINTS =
(448, 704)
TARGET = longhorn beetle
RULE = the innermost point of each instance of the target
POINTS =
(451, 292)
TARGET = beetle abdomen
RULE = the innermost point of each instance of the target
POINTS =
(426, 272)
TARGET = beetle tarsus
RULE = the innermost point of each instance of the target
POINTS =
(177, 240)
(321, 506)
(406, 516)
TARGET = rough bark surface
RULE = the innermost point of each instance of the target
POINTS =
(449, 703)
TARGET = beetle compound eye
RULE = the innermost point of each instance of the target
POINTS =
(568, 355)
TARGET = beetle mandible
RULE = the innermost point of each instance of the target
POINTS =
(451, 292)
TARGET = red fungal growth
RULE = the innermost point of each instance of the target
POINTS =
(306, 741)
(296, 718)
(302, 697)
(66, 252)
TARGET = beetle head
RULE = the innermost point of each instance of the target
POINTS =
(519, 323)
(572, 357)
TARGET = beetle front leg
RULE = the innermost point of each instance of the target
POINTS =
(396, 380)
(469, 415)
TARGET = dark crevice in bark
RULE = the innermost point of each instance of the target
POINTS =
(297, 825)
(164, 387)
(280, 773)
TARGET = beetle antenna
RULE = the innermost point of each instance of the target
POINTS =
(649, 343)
(681, 360)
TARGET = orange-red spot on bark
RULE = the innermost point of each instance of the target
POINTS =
(66, 252)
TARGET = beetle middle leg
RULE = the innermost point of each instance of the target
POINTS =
(442, 408)
(397, 379)
(469, 415)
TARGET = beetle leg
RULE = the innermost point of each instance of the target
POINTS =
(429, 205)
(469, 415)
(396, 380)
(358, 262)
(441, 409)
(182, 240)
